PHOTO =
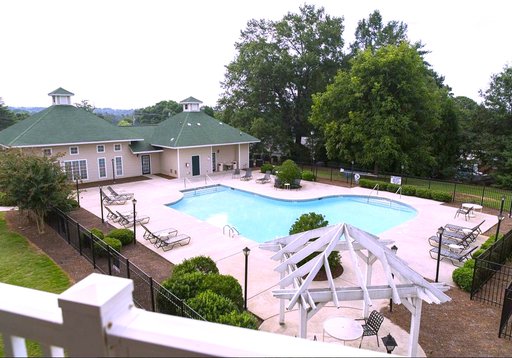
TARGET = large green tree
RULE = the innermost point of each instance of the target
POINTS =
(279, 65)
(34, 183)
(383, 112)
(8, 117)
(157, 113)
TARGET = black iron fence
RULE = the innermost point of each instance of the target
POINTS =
(506, 313)
(477, 193)
(147, 294)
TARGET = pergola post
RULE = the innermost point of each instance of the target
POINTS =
(415, 327)
(282, 303)
(303, 321)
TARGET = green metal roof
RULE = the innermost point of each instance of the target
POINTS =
(144, 146)
(61, 91)
(62, 124)
(190, 100)
(192, 129)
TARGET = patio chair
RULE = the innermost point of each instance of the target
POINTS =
(372, 325)
(112, 200)
(452, 255)
(236, 174)
(463, 229)
(127, 196)
(172, 241)
(114, 217)
(296, 183)
(127, 221)
(155, 236)
(247, 175)
(264, 179)
(466, 212)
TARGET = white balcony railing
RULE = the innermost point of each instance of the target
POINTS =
(96, 317)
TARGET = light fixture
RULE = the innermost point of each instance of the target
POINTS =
(389, 342)
(394, 248)
(246, 252)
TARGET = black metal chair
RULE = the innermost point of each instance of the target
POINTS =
(372, 326)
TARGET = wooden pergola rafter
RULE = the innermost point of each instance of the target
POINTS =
(404, 285)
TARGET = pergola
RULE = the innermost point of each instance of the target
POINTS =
(404, 285)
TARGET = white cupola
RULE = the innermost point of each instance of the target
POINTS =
(191, 104)
(61, 97)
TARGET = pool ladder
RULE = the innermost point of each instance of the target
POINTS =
(232, 231)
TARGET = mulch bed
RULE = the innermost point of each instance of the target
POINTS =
(459, 328)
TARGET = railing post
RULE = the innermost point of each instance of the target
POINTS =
(93, 251)
(79, 238)
(68, 237)
(127, 268)
(87, 315)
(483, 194)
(152, 293)
(109, 261)
(454, 191)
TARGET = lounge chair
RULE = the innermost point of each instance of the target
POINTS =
(466, 212)
(236, 174)
(127, 196)
(296, 184)
(450, 240)
(453, 256)
(264, 179)
(463, 229)
(247, 175)
(112, 216)
(112, 200)
(155, 236)
(127, 221)
(172, 241)
(278, 184)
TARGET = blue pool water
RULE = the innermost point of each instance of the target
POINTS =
(261, 219)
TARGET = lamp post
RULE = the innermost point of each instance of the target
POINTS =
(394, 249)
(389, 342)
(113, 172)
(134, 201)
(440, 233)
(101, 205)
(351, 173)
(500, 219)
(77, 191)
(246, 251)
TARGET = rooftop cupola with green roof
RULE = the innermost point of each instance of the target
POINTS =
(191, 104)
(61, 97)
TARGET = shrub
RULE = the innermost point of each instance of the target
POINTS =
(226, 286)
(478, 252)
(267, 167)
(244, 319)
(100, 246)
(211, 305)
(202, 264)
(408, 190)
(98, 233)
(308, 175)
(392, 187)
(367, 183)
(123, 235)
(441, 196)
(463, 277)
(6, 200)
(184, 286)
(288, 171)
(423, 193)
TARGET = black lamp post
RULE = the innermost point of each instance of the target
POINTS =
(500, 219)
(394, 248)
(113, 172)
(101, 205)
(134, 201)
(351, 173)
(440, 233)
(246, 251)
(389, 342)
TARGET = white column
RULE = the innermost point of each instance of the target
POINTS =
(303, 321)
(415, 327)
(89, 308)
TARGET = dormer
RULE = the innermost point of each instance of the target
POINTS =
(61, 97)
(191, 104)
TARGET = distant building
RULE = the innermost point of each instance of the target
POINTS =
(190, 143)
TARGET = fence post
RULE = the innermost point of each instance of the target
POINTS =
(483, 194)
(475, 271)
(152, 293)
(67, 230)
(109, 261)
(127, 268)
(454, 191)
(79, 238)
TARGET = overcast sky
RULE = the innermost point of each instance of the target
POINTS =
(132, 54)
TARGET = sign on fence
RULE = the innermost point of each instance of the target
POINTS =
(396, 180)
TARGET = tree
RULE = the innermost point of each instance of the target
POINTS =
(86, 106)
(383, 112)
(7, 117)
(279, 65)
(157, 113)
(34, 183)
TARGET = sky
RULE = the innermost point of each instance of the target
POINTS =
(128, 54)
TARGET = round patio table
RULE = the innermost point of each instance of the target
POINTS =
(475, 207)
(342, 328)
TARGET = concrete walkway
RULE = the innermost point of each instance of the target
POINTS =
(410, 238)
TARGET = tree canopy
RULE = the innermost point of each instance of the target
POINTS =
(157, 113)
(382, 112)
(8, 117)
(279, 65)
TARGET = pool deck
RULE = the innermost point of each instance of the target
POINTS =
(410, 238)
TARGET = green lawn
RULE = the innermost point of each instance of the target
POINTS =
(23, 265)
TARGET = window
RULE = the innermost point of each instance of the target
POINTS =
(119, 166)
(76, 169)
(47, 152)
(73, 150)
(102, 168)
(117, 147)
(100, 148)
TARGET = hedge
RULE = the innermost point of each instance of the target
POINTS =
(100, 246)
(211, 306)
(202, 264)
(408, 190)
(123, 235)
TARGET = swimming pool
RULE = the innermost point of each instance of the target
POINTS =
(261, 218)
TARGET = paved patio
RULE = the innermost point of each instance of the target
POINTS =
(410, 238)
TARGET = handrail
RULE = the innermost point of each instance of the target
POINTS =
(185, 180)
(375, 188)
(399, 190)
(206, 176)
(232, 231)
